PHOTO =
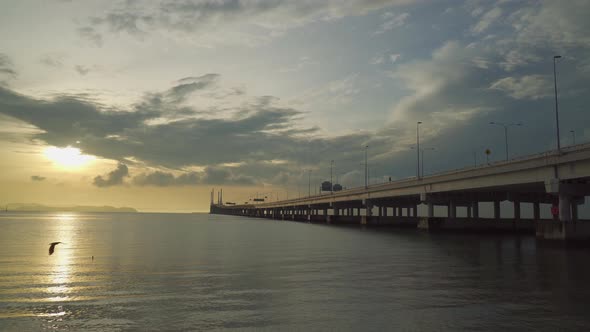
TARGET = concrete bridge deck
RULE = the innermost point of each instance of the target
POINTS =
(558, 178)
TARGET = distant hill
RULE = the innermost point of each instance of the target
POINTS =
(32, 207)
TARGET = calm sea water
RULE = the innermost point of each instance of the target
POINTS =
(203, 272)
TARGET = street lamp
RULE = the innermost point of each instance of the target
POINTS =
(418, 149)
(506, 125)
(331, 184)
(309, 183)
(573, 136)
(555, 57)
(366, 167)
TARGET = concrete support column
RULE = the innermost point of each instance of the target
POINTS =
(497, 210)
(358, 211)
(469, 211)
(415, 211)
(452, 210)
(565, 205)
(575, 211)
(369, 209)
(475, 209)
(385, 211)
(430, 210)
(399, 211)
(368, 212)
(536, 211)
(517, 210)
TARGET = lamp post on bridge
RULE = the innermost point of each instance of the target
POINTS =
(309, 183)
(366, 167)
(331, 183)
(506, 125)
(418, 149)
(555, 57)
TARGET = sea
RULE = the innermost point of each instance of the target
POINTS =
(201, 272)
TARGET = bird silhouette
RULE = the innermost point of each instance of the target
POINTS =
(52, 247)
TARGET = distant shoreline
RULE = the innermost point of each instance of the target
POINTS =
(19, 207)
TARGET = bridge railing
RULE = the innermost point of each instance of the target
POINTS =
(546, 154)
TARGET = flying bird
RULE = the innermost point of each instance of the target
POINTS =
(52, 247)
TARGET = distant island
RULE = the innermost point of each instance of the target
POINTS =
(32, 207)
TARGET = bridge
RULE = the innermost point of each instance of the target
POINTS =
(558, 178)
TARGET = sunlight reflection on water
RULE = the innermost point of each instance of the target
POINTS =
(201, 272)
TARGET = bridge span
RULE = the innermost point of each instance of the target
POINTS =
(561, 179)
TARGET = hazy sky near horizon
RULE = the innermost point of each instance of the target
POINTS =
(150, 104)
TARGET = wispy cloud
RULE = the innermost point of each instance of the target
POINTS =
(6, 67)
(487, 20)
(525, 87)
(52, 60)
(392, 21)
(301, 63)
(194, 18)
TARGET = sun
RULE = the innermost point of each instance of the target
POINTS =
(67, 157)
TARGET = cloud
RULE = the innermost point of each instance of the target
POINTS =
(301, 63)
(90, 33)
(392, 21)
(381, 58)
(336, 92)
(6, 67)
(188, 85)
(517, 58)
(113, 178)
(164, 179)
(259, 137)
(435, 83)
(160, 132)
(537, 32)
(52, 60)
(377, 60)
(82, 70)
(233, 20)
(525, 87)
(220, 175)
(561, 24)
(37, 178)
(487, 20)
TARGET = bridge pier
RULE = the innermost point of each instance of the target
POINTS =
(567, 228)
(368, 212)
(497, 210)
